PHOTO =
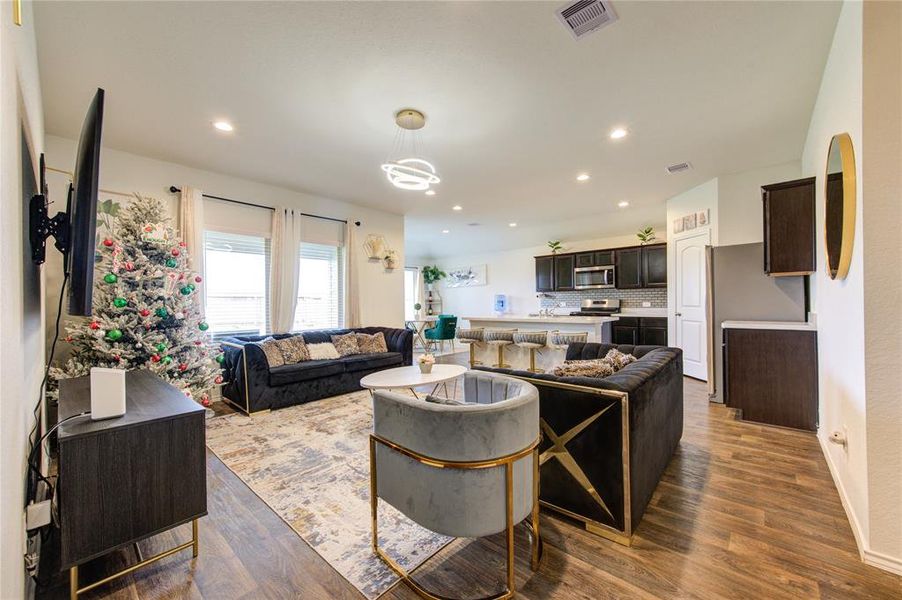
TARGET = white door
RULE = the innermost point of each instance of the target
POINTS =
(690, 317)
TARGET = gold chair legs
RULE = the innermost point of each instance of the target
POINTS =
(473, 361)
(532, 362)
(508, 463)
(501, 364)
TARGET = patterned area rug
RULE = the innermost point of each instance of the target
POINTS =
(310, 464)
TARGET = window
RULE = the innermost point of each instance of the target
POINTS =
(320, 287)
(411, 274)
(237, 283)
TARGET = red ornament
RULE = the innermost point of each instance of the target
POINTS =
(147, 326)
(198, 279)
(154, 358)
(117, 358)
(129, 266)
(197, 342)
(183, 367)
(176, 252)
(183, 244)
(218, 379)
(144, 312)
(205, 401)
(94, 325)
(108, 242)
(181, 276)
(148, 228)
(68, 338)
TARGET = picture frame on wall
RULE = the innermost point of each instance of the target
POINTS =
(678, 225)
(701, 218)
(689, 222)
(469, 276)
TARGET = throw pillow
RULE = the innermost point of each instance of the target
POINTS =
(371, 344)
(346, 344)
(324, 351)
(293, 349)
(272, 352)
(447, 401)
(597, 367)
(619, 359)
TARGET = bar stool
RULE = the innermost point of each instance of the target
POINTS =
(562, 340)
(471, 337)
(532, 340)
(500, 338)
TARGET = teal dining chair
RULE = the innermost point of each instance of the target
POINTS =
(445, 329)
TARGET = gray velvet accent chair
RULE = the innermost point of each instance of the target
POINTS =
(461, 470)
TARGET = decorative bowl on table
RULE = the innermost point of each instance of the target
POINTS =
(426, 361)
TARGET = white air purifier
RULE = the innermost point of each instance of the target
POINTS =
(107, 393)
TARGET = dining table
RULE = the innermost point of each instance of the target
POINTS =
(418, 325)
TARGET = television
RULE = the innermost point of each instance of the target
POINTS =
(74, 230)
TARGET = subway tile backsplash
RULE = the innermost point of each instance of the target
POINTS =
(628, 298)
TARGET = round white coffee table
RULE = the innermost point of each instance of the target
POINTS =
(411, 377)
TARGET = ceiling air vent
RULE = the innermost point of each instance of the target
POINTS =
(679, 168)
(585, 16)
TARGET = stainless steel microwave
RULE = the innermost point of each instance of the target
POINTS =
(591, 278)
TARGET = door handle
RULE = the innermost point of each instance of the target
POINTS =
(678, 314)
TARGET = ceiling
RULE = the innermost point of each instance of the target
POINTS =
(516, 108)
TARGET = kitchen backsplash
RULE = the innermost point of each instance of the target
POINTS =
(628, 298)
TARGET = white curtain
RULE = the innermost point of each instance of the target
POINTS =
(352, 292)
(421, 294)
(284, 275)
(191, 228)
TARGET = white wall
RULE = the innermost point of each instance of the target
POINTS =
(22, 350)
(382, 291)
(740, 211)
(510, 272)
(840, 304)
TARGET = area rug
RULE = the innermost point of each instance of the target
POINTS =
(310, 464)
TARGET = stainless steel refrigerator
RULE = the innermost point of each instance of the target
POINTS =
(740, 291)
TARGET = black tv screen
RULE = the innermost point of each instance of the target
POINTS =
(82, 210)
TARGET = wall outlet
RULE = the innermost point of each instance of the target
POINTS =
(646, 305)
(562, 304)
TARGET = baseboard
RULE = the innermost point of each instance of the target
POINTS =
(868, 556)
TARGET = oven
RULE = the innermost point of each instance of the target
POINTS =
(590, 278)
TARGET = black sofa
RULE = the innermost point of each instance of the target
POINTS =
(251, 386)
(613, 436)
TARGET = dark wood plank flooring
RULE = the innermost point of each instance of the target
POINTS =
(743, 511)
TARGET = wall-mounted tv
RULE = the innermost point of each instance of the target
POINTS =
(74, 230)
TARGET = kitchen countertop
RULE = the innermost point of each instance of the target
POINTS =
(544, 319)
(782, 325)
(642, 312)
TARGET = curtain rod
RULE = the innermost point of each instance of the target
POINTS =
(175, 190)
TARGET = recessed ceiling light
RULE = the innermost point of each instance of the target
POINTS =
(623, 204)
(223, 126)
(582, 177)
(446, 231)
(457, 207)
(430, 192)
(618, 133)
(511, 224)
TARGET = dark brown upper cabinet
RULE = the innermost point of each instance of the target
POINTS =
(654, 266)
(544, 273)
(628, 268)
(596, 258)
(789, 224)
(563, 272)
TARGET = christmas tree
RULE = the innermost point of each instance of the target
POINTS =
(147, 309)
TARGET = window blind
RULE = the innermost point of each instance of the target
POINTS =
(237, 283)
(320, 287)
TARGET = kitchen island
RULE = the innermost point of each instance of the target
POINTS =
(598, 329)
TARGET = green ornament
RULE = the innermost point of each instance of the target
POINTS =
(220, 359)
(186, 290)
(110, 278)
(167, 360)
(113, 335)
(161, 347)
(120, 302)
(171, 263)
(203, 326)
(161, 312)
(192, 286)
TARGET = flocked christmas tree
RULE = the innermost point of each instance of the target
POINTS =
(146, 310)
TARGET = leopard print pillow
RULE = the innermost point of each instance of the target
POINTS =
(598, 367)
(272, 352)
(346, 344)
(371, 344)
(293, 349)
(619, 359)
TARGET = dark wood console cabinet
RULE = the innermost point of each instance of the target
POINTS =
(789, 224)
(124, 479)
(771, 376)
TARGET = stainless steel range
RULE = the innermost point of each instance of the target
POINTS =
(598, 308)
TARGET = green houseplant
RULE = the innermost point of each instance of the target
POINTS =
(646, 235)
(431, 274)
(555, 246)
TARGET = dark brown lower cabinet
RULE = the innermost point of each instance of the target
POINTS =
(645, 331)
(770, 375)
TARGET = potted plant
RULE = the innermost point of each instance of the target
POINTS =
(426, 361)
(555, 246)
(390, 259)
(646, 235)
(431, 274)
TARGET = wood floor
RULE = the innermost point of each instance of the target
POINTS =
(743, 511)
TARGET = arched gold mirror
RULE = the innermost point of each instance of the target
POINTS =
(839, 199)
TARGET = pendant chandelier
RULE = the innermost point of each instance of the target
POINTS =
(405, 168)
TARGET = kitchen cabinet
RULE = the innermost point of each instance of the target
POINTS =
(771, 376)
(654, 266)
(563, 272)
(625, 331)
(585, 259)
(596, 258)
(651, 331)
(789, 228)
(544, 273)
(628, 268)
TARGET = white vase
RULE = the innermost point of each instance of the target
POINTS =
(426, 368)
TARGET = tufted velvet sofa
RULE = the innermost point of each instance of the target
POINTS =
(608, 440)
(252, 386)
